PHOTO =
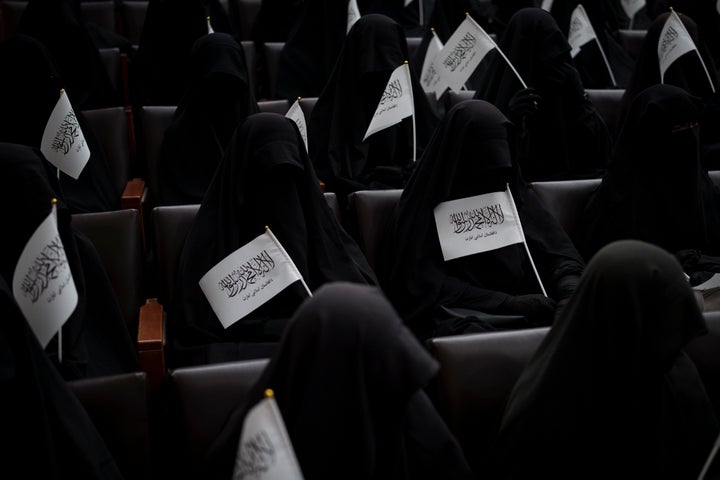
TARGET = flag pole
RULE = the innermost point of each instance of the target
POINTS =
(285, 254)
(607, 64)
(522, 82)
(712, 87)
(413, 119)
(522, 234)
(53, 202)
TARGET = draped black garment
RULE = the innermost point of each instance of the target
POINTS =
(471, 154)
(265, 179)
(565, 137)
(96, 339)
(29, 90)
(217, 100)
(610, 390)
(348, 378)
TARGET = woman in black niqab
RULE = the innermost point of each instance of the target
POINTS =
(95, 339)
(562, 134)
(29, 90)
(374, 47)
(219, 97)
(264, 179)
(471, 154)
(610, 388)
(657, 175)
(348, 378)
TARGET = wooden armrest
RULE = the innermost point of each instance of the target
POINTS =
(133, 197)
(322, 186)
(151, 342)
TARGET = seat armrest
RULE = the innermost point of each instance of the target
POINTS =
(133, 197)
(151, 342)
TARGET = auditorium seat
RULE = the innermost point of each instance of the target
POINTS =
(566, 200)
(477, 373)
(371, 212)
(153, 121)
(607, 103)
(274, 106)
(99, 12)
(251, 62)
(705, 353)
(307, 104)
(271, 52)
(132, 19)
(118, 407)
(243, 14)
(631, 41)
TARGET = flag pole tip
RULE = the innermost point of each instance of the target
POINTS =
(432, 29)
(62, 90)
(267, 228)
(53, 201)
(298, 99)
(405, 62)
(207, 18)
(269, 393)
(467, 14)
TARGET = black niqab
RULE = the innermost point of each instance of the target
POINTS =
(265, 179)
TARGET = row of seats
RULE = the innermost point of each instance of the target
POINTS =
(477, 373)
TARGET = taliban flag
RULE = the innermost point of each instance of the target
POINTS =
(675, 41)
(63, 143)
(546, 5)
(428, 74)
(296, 114)
(460, 56)
(249, 277)
(353, 14)
(396, 102)
(479, 224)
(209, 26)
(581, 32)
(265, 451)
(43, 284)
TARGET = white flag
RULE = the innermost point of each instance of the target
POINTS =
(547, 5)
(63, 142)
(396, 102)
(248, 277)
(428, 74)
(631, 7)
(460, 56)
(674, 42)
(265, 451)
(296, 115)
(43, 284)
(408, 2)
(581, 30)
(353, 14)
(209, 26)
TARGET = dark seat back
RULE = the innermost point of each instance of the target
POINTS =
(133, 18)
(566, 200)
(607, 103)
(477, 373)
(274, 106)
(154, 121)
(110, 127)
(372, 211)
(243, 13)
(631, 41)
(705, 353)
(272, 57)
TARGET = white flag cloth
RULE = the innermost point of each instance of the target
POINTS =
(248, 277)
(477, 224)
(396, 102)
(674, 42)
(353, 14)
(209, 26)
(460, 56)
(43, 284)
(581, 30)
(428, 74)
(547, 5)
(63, 143)
(296, 114)
(631, 7)
(408, 2)
(265, 451)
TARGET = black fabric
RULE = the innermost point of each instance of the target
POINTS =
(58, 25)
(471, 154)
(265, 179)
(610, 389)
(171, 27)
(374, 47)
(51, 434)
(29, 90)
(96, 340)
(656, 188)
(217, 100)
(589, 61)
(348, 378)
(565, 137)
(686, 72)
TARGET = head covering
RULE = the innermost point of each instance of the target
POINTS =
(470, 154)
(610, 389)
(29, 90)
(217, 100)
(50, 431)
(169, 32)
(348, 378)
(566, 137)
(57, 24)
(374, 47)
(656, 174)
(590, 63)
(96, 339)
(265, 179)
